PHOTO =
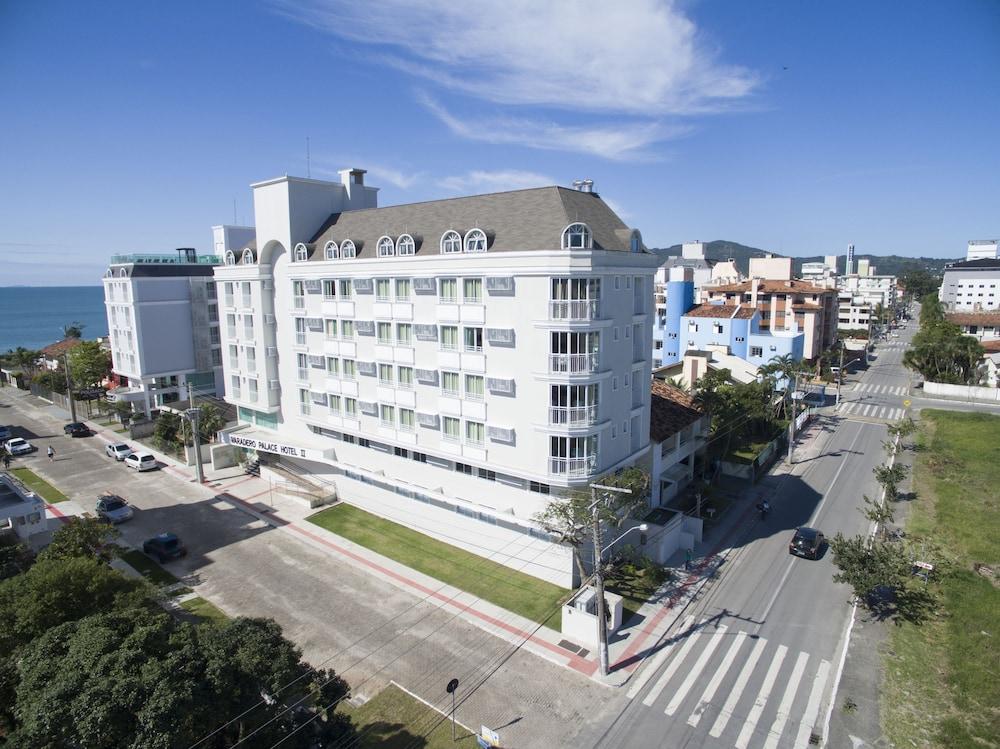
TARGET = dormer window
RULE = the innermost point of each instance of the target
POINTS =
(230, 258)
(451, 241)
(109, 274)
(123, 274)
(576, 237)
(247, 256)
(405, 245)
(347, 249)
(386, 247)
(635, 241)
(331, 252)
(301, 253)
(475, 241)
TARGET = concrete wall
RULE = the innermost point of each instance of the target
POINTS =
(966, 392)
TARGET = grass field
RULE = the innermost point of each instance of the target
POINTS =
(394, 720)
(204, 610)
(942, 687)
(525, 595)
(148, 568)
(40, 486)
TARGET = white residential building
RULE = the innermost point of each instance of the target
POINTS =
(448, 365)
(983, 249)
(971, 286)
(163, 323)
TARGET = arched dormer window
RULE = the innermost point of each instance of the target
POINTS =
(301, 253)
(109, 274)
(475, 241)
(248, 257)
(122, 273)
(635, 241)
(576, 237)
(386, 247)
(405, 245)
(230, 257)
(347, 249)
(331, 251)
(451, 241)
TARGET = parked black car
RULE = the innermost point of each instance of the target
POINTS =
(164, 547)
(807, 542)
(76, 429)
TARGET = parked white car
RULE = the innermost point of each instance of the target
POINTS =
(19, 446)
(118, 450)
(141, 461)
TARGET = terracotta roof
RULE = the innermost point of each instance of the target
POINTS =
(671, 409)
(57, 349)
(721, 310)
(974, 318)
(992, 346)
(771, 286)
(808, 307)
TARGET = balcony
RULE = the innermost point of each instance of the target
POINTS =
(299, 302)
(573, 467)
(575, 309)
(573, 363)
(573, 415)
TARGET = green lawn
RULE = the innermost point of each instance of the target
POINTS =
(148, 568)
(207, 612)
(40, 486)
(635, 586)
(525, 595)
(394, 720)
(941, 678)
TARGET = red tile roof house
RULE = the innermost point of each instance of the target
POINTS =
(51, 357)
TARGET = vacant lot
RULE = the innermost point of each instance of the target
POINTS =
(942, 686)
(525, 595)
(394, 720)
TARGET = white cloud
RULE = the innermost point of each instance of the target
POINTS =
(379, 172)
(637, 61)
(496, 181)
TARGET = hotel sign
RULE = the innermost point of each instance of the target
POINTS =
(265, 446)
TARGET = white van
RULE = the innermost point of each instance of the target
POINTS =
(141, 461)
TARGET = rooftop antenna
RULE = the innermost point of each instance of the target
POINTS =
(234, 212)
(308, 161)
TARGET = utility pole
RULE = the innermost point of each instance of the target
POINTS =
(69, 389)
(840, 372)
(602, 625)
(791, 423)
(193, 415)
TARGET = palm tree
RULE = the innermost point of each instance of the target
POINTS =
(73, 330)
(679, 384)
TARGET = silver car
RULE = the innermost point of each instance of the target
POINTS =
(118, 450)
(113, 508)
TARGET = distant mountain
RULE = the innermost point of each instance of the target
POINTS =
(892, 265)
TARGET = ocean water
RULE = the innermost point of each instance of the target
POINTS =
(34, 316)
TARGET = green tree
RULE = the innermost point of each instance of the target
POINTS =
(889, 478)
(880, 513)
(54, 381)
(89, 364)
(123, 410)
(209, 422)
(940, 353)
(73, 330)
(167, 427)
(83, 537)
(25, 360)
(919, 283)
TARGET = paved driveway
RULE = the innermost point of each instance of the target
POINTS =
(368, 630)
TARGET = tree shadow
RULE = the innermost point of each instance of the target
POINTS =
(390, 736)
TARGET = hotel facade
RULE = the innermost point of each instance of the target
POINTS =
(450, 365)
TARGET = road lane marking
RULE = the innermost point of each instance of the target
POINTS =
(785, 707)
(741, 683)
(750, 725)
(720, 673)
(714, 639)
(671, 669)
(812, 707)
(654, 665)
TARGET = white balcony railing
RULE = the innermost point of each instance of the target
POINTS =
(573, 363)
(573, 415)
(299, 302)
(304, 408)
(584, 466)
(234, 362)
(575, 309)
(303, 373)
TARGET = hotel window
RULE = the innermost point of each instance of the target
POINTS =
(449, 337)
(301, 252)
(475, 241)
(386, 247)
(472, 290)
(384, 374)
(303, 367)
(406, 419)
(387, 416)
(351, 407)
(473, 339)
(335, 404)
(474, 387)
(347, 249)
(475, 432)
(404, 377)
(404, 334)
(449, 383)
(247, 298)
(402, 289)
(383, 287)
(450, 428)
(252, 389)
(756, 351)
(451, 241)
(576, 237)
(300, 331)
(329, 289)
(234, 356)
(330, 252)
(405, 245)
(385, 332)
(248, 326)
(331, 329)
(448, 290)
(298, 295)
(347, 330)
(234, 386)
(350, 369)
(251, 354)
(346, 289)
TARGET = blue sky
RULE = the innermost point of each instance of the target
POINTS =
(798, 127)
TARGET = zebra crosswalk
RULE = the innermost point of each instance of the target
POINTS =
(876, 389)
(779, 709)
(860, 409)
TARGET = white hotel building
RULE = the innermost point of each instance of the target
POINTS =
(448, 365)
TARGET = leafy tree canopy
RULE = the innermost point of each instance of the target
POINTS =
(89, 364)
(83, 537)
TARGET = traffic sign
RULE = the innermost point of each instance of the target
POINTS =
(906, 403)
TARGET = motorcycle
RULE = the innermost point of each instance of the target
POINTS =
(763, 508)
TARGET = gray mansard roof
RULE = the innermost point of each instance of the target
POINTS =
(513, 221)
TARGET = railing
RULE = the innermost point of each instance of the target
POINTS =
(300, 338)
(573, 466)
(573, 363)
(575, 309)
(304, 408)
(235, 391)
(168, 259)
(299, 302)
(303, 373)
(234, 362)
(573, 415)
(247, 301)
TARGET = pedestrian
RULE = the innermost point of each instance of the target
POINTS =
(687, 559)
(6, 460)
(52, 453)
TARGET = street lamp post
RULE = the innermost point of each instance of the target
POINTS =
(193, 415)
(791, 424)
(69, 389)
(602, 624)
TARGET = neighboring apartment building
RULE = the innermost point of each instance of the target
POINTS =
(854, 312)
(163, 323)
(971, 285)
(983, 249)
(983, 326)
(736, 330)
(678, 435)
(448, 365)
